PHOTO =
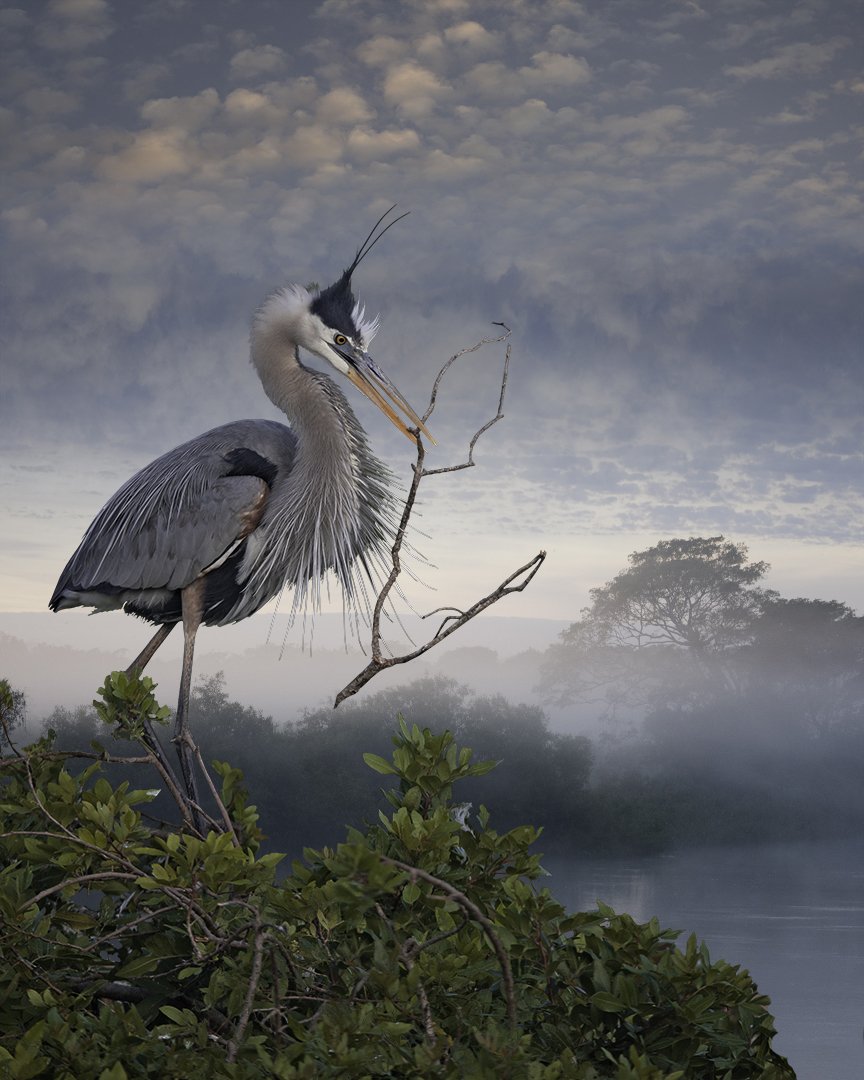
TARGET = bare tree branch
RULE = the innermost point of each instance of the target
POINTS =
(223, 810)
(80, 880)
(516, 582)
(254, 976)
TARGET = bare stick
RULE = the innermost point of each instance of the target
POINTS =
(516, 582)
(80, 880)
(470, 462)
(254, 976)
(223, 810)
(379, 662)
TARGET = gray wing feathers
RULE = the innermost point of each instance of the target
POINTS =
(180, 514)
(171, 547)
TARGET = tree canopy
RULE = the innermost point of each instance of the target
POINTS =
(678, 609)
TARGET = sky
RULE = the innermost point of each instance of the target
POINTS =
(663, 201)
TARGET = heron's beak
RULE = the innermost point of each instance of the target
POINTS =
(368, 377)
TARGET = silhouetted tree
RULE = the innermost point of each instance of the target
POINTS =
(809, 654)
(666, 626)
(13, 710)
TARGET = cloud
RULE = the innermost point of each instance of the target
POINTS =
(70, 25)
(145, 78)
(381, 50)
(547, 73)
(343, 106)
(150, 156)
(800, 58)
(46, 101)
(257, 61)
(473, 37)
(364, 144)
(187, 113)
(412, 89)
(551, 69)
(439, 165)
(313, 144)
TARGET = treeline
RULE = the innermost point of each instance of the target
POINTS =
(309, 781)
(729, 714)
(640, 795)
(735, 714)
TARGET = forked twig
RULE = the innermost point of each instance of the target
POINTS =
(516, 582)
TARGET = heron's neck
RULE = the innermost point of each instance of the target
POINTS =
(335, 502)
(311, 402)
(329, 440)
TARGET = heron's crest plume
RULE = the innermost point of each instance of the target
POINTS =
(337, 306)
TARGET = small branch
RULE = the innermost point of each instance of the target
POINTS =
(426, 1012)
(117, 990)
(470, 462)
(254, 977)
(106, 875)
(433, 398)
(475, 913)
(378, 661)
(86, 755)
(223, 810)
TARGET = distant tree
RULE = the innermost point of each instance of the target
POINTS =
(666, 624)
(218, 717)
(13, 711)
(809, 654)
(542, 772)
(73, 727)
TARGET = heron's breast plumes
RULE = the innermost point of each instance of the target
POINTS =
(334, 513)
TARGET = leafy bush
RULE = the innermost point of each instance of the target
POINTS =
(421, 947)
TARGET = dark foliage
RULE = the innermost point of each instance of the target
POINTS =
(305, 776)
(419, 948)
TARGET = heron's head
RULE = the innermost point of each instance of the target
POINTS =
(331, 324)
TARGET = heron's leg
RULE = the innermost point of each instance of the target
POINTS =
(146, 655)
(135, 668)
(192, 601)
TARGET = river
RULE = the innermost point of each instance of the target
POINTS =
(792, 914)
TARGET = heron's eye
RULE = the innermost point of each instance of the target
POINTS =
(340, 339)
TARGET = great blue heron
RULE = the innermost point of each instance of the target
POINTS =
(212, 530)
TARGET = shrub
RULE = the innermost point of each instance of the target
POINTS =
(422, 947)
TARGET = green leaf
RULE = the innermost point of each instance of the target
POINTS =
(379, 764)
(607, 1002)
(140, 965)
(116, 1072)
(178, 1016)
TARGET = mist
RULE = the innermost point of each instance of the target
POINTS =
(690, 704)
(61, 660)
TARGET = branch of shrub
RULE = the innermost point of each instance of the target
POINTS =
(474, 912)
(379, 662)
(254, 977)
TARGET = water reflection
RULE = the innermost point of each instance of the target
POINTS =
(793, 914)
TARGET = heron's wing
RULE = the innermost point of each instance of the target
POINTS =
(183, 513)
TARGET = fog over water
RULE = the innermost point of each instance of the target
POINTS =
(792, 914)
